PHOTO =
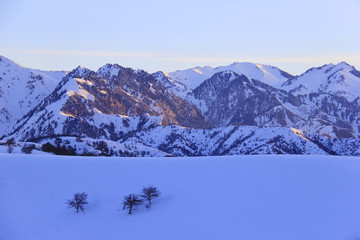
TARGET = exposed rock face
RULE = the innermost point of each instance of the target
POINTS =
(124, 91)
(234, 99)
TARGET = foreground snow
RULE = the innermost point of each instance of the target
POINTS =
(233, 197)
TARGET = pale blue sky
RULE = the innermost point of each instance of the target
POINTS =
(170, 35)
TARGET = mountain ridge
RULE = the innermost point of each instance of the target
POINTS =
(104, 103)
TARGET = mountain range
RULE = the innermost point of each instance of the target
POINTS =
(243, 108)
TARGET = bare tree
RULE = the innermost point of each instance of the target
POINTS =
(10, 143)
(149, 193)
(78, 202)
(130, 201)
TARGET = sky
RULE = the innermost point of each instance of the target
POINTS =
(171, 35)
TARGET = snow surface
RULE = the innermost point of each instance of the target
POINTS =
(234, 197)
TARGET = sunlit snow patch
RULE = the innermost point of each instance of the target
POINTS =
(299, 133)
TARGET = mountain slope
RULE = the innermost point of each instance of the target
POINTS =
(230, 98)
(22, 89)
(89, 103)
(341, 80)
(239, 140)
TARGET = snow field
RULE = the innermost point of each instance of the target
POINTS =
(232, 197)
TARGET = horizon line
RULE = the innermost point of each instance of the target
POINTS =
(172, 57)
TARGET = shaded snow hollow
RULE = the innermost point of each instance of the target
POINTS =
(233, 197)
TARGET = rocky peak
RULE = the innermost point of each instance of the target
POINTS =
(80, 72)
(227, 75)
(109, 70)
(164, 78)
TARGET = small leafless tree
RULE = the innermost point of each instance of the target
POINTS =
(10, 148)
(10, 143)
(78, 202)
(132, 200)
(149, 193)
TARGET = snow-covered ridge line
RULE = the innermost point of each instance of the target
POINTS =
(191, 78)
(93, 105)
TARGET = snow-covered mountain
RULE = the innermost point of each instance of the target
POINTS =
(323, 99)
(87, 103)
(330, 99)
(242, 108)
(184, 81)
(22, 89)
(341, 80)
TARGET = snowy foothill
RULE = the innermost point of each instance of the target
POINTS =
(277, 197)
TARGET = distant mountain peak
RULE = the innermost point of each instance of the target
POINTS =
(80, 72)
(343, 63)
(193, 77)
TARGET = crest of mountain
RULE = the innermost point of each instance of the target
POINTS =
(184, 81)
(341, 80)
(22, 89)
(87, 103)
